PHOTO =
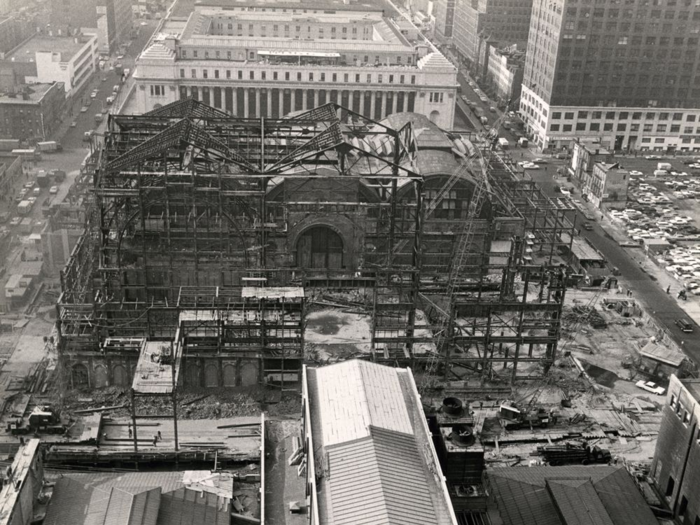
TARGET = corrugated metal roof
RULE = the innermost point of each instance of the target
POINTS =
(189, 507)
(578, 502)
(522, 496)
(357, 394)
(378, 479)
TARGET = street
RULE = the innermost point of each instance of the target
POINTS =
(663, 306)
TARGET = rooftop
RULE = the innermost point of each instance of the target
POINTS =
(584, 251)
(66, 46)
(692, 386)
(291, 4)
(599, 495)
(31, 94)
(663, 353)
(367, 418)
(9, 495)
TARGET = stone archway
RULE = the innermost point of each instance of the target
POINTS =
(99, 377)
(434, 116)
(211, 376)
(120, 376)
(320, 247)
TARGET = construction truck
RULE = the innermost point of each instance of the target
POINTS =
(42, 419)
(513, 418)
(574, 452)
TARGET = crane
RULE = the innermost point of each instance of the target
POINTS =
(465, 241)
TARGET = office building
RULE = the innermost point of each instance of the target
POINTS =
(47, 59)
(111, 19)
(504, 73)
(676, 465)
(33, 113)
(444, 12)
(270, 61)
(626, 74)
(480, 21)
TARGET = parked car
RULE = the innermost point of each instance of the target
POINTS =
(15, 221)
(650, 387)
(53, 190)
(587, 226)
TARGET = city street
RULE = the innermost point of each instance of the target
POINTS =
(663, 306)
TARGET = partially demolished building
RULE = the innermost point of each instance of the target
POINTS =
(207, 231)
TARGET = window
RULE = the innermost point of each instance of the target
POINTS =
(357, 78)
(661, 128)
(607, 126)
(274, 75)
(597, 114)
(675, 128)
(436, 97)
(263, 75)
(634, 127)
(595, 126)
(299, 76)
(583, 114)
(240, 75)
(401, 79)
(369, 78)
(334, 78)
(554, 127)
(569, 115)
(624, 115)
(678, 116)
(648, 128)
(580, 126)
(663, 116)
(346, 77)
(413, 79)
(182, 73)
(621, 127)
(252, 75)
(323, 77)
(690, 118)
(379, 78)
(194, 73)
(311, 76)
(567, 127)
(658, 141)
(686, 417)
(556, 115)
(216, 73)
(637, 115)
(688, 129)
(609, 115)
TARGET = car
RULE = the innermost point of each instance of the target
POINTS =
(84, 109)
(653, 157)
(635, 173)
(75, 123)
(589, 216)
(530, 166)
(31, 199)
(565, 192)
(23, 192)
(483, 98)
(684, 325)
(29, 185)
(111, 67)
(53, 190)
(587, 226)
(539, 161)
(15, 221)
(36, 191)
(93, 95)
(119, 57)
(650, 387)
(492, 109)
(144, 24)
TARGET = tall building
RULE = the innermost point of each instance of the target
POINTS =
(626, 74)
(112, 20)
(250, 60)
(445, 19)
(676, 465)
(480, 21)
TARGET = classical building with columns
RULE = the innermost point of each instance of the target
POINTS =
(271, 59)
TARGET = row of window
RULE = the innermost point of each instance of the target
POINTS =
(644, 3)
(311, 76)
(680, 410)
(654, 14)
(622, 127)
(241, 56)
(623, 115)
(298, 29)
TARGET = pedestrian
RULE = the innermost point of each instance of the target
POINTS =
(130, 432)
(160, 437)
(155, 441)
(668, 290)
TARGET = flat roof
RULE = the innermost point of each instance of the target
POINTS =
(663, 353)
(692, 386)
(9, 495)
(273, 292)
(584, 251)
(309, 5)
(368, 418)
(154, 372)
(33, 92)
(66, 46)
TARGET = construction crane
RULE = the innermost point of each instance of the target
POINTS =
(466, 239)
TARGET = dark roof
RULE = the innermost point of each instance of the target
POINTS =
(559, 496)
(148, 498)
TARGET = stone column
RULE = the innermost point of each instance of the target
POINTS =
(234, 101)
(396, 102)
(258, 94)
(269, 102)
(315, 98)
(362, 103)
(384, 112)
(305, 99)
(281, 95)
(246, 95)
(372, 103)
(294, 100)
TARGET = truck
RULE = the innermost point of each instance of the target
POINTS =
(41, 419)
(503, 143)
(42, 179)
(28, 154)
(24, 207)
(98, 118)
(49, 146)
(664, 166)
(58, 175)
(484, 120)
(9, 144)
(522, 142)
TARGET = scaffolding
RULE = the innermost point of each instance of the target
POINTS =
(196, 217)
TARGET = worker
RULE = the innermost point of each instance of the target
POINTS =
(668, 290)
(155, 441)
(160, 437)
(130, 433)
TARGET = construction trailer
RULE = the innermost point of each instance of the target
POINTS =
(205, 230)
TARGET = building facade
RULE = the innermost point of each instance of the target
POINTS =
(504, 73)
(445, 19)
(255, 63)
(42, 59)
(625, 74)
(111, 20)
(505, 22)
(676, 465)
(607, 183)
(32, 114)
